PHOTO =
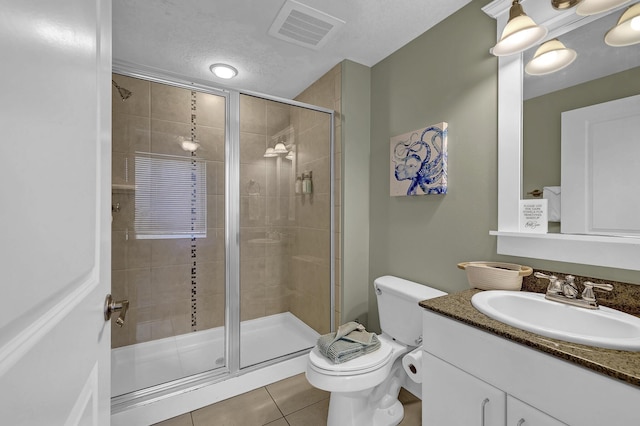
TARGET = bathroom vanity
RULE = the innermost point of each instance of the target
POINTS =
(478, 371)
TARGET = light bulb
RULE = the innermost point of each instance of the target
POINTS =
(223, 71)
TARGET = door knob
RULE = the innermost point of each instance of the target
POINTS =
(111, 306)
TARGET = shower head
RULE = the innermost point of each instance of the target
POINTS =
(124, 93)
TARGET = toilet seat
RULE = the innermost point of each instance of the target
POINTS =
(363, 364)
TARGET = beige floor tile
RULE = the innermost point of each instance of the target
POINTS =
(412, 408)
(183, 420)
(295, 393)
(406, 396)
(412, 413)
(279, 422)
(313, 415)
(255, 408)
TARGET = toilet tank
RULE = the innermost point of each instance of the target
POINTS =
(400, 314)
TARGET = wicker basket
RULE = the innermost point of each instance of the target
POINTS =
(495, 275)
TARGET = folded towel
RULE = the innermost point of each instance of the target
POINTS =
(350, 341)
(553, 194)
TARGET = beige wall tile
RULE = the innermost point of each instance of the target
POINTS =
(123, 218)
(252, 147)
(165, 137)
(123, 168)
(130, 133)
(210, 110)
(211, 140)
(170, 103)
(253, 115)
(278, 118)
(215, 178)
(172, 251)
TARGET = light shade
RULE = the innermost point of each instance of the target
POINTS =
(519, 34)
(223, 71)
(592, 7)
(270, 153)
(189, 145)
(627, 30)
(280, 148)
(552, 56)
(564, 4)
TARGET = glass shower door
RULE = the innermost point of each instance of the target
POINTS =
(285, 228)
(168, 232)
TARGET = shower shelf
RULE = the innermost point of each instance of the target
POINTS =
(122, 187)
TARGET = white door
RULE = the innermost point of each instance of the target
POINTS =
(55, 113)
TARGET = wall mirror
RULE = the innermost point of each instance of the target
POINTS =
(518, 173)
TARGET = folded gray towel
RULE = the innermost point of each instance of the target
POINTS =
(350, 341)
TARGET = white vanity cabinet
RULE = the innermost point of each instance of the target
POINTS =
(454, 397)
(464, 366)
(521, 414)
(458, 398)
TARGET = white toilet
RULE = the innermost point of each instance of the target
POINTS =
(364, 391)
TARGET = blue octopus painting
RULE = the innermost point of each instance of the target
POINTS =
(420, 157)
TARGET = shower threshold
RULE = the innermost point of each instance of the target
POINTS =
(147, 364)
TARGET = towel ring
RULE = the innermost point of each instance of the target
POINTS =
(252, 184)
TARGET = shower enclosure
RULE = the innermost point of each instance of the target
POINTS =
(221, 233)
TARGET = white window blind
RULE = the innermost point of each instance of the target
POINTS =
(171, 197)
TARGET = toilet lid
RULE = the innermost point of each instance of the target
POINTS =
(361, 364)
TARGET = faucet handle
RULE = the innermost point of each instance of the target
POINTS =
(554, 286)
(587, 293)
(544, 276)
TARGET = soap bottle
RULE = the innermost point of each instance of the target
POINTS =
(306, 183)
(298, 185)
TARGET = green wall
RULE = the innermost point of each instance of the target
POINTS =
(446, 74)
(356, 126)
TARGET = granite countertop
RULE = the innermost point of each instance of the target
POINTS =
(621, 365)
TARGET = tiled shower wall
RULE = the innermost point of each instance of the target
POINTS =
(156, 275)
(265, 236)
(284, 246)
(327, 92)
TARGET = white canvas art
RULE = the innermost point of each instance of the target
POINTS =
(419, 162)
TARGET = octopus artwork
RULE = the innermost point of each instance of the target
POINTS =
(419, 162)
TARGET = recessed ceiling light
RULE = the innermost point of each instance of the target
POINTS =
(223, 71)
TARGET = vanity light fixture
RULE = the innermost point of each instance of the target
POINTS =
(520, 33)
(223, 71)
(592, 7)
(552, 56)
(270, 152)
(627, 30)
(280, 148)
(564, 4)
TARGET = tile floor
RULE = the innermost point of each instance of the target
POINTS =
(289, 402)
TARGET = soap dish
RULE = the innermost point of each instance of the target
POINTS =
(495, 275)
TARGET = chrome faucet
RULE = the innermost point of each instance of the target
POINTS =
(566, 291)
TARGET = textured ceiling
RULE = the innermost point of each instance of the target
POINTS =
(184, 37)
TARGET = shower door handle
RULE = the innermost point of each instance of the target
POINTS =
(111, 306)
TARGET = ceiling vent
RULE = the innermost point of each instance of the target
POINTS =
(304, 25)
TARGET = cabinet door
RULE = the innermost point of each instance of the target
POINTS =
(454, 398)
(521, 414)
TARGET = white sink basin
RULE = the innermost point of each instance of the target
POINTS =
(604, 327)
